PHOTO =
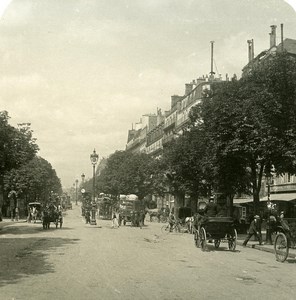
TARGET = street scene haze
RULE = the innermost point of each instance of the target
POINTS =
(147, 149)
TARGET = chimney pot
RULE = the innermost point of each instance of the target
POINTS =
(273, 36)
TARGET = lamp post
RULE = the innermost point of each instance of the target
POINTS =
(268, 177)
(82, 177)
(76, 183)
(94, 159)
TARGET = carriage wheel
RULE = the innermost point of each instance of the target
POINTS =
(165, 229)
(217, 243)
(281, 248)
(232, 240)
(203, 239)
(196, 238)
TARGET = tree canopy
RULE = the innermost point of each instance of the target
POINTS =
(250, 126)
(126, 173)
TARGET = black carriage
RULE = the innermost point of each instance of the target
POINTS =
(53, 216)
(285, 238)
(215, 229)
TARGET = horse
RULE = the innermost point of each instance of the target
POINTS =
(189, 222)
(46, 219)
(34, 214)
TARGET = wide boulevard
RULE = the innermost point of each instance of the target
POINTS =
(82, 261)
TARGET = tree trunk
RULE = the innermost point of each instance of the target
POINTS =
(179, 200)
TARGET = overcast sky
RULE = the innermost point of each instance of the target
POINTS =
(82, 71)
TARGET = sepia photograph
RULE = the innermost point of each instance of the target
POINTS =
(147, 149)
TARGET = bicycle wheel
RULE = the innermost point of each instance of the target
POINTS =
(177, 228)
(165, 229)
(196, 239)
(281, 248)
(232, 240)
(203, 239)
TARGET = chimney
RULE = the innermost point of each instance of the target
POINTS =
(273, 36)
(188, 88)
(249, 49)
(212, 73)
(282, 36)
(174, 100)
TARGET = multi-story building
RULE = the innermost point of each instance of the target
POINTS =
(282, 189)
(137, 137)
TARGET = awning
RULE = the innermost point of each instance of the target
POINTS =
(280, 197)
(242, 200)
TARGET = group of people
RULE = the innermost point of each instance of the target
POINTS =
(271, 226)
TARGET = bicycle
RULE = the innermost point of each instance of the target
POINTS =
(166, 229)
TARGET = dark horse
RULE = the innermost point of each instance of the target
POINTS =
(49, 216)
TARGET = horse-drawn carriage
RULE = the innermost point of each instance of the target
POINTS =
(215, 229)
(51, 215)
(34, 211)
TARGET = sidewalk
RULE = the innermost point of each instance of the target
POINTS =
(255, 245)
(7, 222)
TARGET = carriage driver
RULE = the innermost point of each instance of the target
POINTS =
(211, 209)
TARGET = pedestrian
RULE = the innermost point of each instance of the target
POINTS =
(172, 221)
(17, 214)
(255, 229)
(114, 221)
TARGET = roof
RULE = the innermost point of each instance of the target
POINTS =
(289, 46)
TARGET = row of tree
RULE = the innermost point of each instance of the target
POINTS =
(241, 131)
(21, 170)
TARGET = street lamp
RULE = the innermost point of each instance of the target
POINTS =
(76, 183)
(94, 159)
(268, 177)
(82, 177)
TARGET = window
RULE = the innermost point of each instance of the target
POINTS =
(244, 212)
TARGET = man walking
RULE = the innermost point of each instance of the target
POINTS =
(255, 229)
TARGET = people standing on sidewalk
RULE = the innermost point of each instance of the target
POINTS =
(255, 229)
(114, 221)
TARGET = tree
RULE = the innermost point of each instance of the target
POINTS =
(250, 126)
(126, 173)
(17, 146)
(33, 181)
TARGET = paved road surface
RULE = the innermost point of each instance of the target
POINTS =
(85, 262)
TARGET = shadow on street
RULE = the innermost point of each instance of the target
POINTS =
(23, 257)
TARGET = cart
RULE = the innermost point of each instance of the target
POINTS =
(285, 238)
(53, 216)
(34, 211)
(217, 229)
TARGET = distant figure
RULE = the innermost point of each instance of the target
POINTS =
(172, 221)
(114, 221)
(255, 229)
(17, 214)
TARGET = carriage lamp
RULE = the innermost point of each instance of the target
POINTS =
(94, 159)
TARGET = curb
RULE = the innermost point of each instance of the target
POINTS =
(263, 248)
